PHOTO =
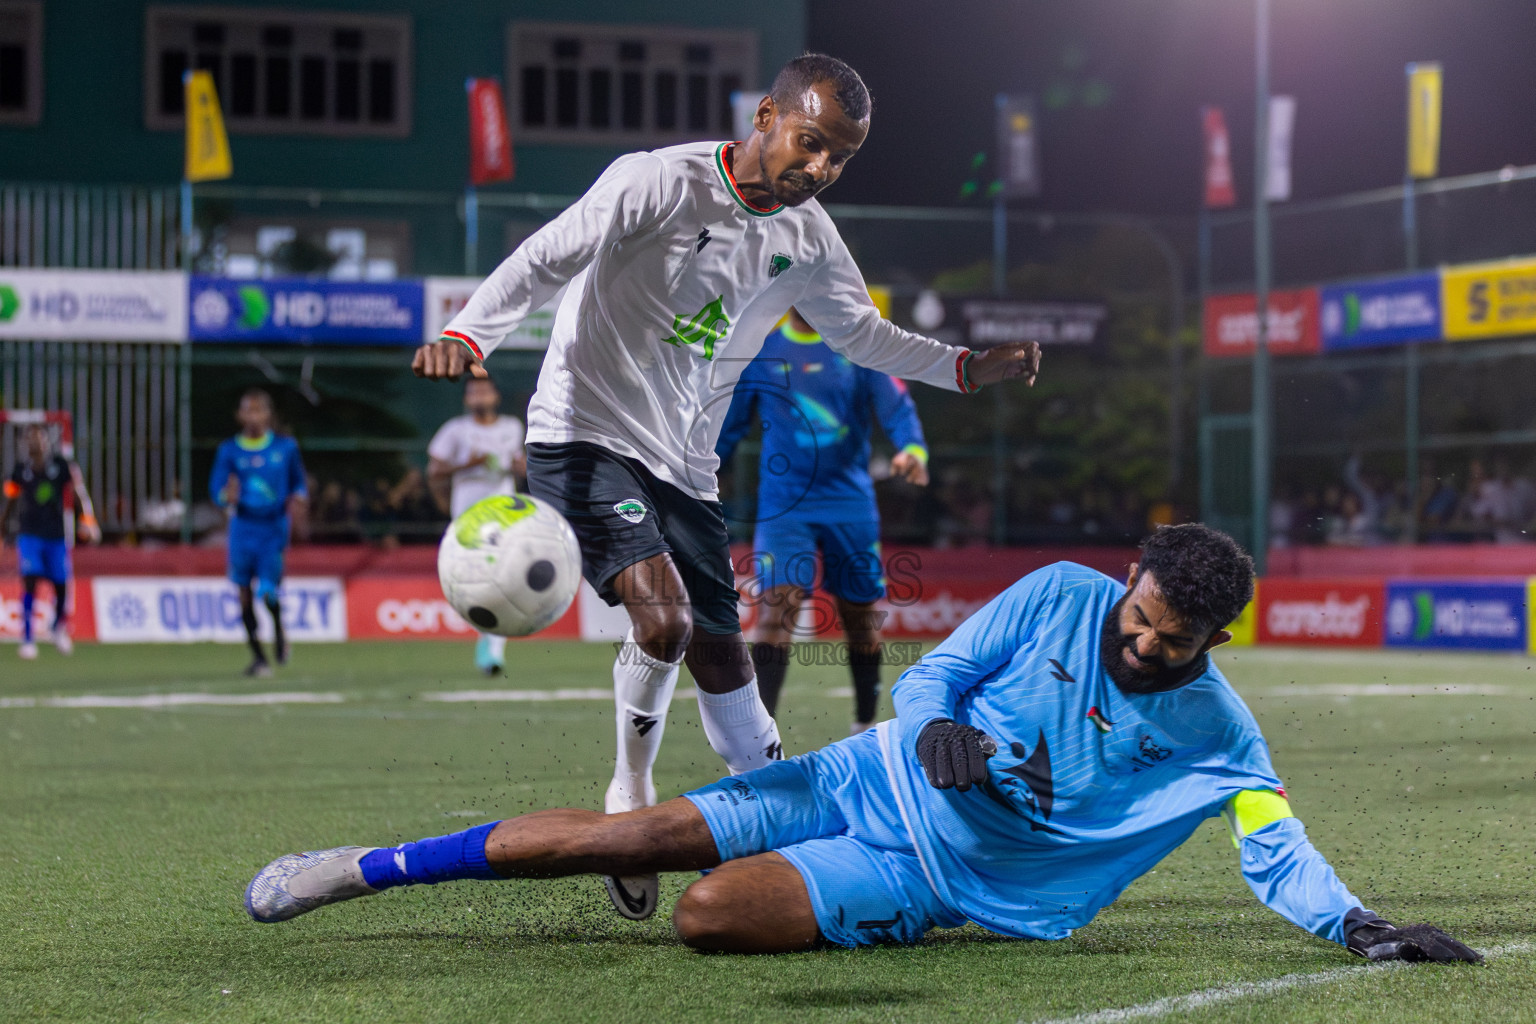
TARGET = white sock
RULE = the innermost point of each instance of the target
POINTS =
(496, 645)
(740, 728)
(642, 690)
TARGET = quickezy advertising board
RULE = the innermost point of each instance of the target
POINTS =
(304, 311)
(93, 305)
(1365, 314)
(1469, 615)
(1328, 612)
(1232, 323)
(184, 609)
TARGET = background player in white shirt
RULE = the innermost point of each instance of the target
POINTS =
(472, 457)
(680, 261)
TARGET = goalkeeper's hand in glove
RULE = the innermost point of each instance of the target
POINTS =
(1383, 940)
(954, 755)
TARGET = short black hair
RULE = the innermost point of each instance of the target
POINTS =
(810, 69)
(258, 393)
(1205, 577)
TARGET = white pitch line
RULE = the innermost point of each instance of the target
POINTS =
(171, 700)
(490, 696)
(1193, 1001)
(1384, 690)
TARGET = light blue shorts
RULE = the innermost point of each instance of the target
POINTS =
(831, 814)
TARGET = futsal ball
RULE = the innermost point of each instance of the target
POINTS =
(509, 565)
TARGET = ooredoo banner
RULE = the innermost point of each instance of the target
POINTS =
(1232, 323)
(185, 609)
(413, 608)
(1327, 612)
(82, 625)
(1471, 615)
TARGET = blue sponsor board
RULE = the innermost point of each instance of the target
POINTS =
(298, 310)
(1472, 616)
(1398, 311)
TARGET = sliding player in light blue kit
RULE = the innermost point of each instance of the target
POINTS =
(1059, 744)
(814, 494)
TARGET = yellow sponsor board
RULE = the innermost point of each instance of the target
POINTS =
(1489, 300)
(1530, 615)
(1245, 627)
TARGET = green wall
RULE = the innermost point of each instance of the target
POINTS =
(92, 128)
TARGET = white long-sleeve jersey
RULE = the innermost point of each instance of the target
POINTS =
(675, 281)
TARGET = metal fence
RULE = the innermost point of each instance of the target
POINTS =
(124, 399)
(1390, 426)
(1008, 452)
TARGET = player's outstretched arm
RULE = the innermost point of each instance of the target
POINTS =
(1289, 876)
(930, 690)
(633, 195)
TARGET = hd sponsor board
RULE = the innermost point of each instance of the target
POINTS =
(93, 305)
(304, 311)
(1232, 323)
(1471, 615)
(1332, 613)
(1367, 314)
(188, 609)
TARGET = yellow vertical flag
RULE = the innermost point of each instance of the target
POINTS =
(207, 145)
(1423, 120)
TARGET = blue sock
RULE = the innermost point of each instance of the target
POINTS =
(27, 600)
(429, 861)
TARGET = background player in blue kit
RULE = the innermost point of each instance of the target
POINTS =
(1057, 746)
(814, 493)
(258, 478)
(44, 485)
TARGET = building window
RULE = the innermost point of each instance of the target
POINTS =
(278, 71)
(21, 61)
(629, 85)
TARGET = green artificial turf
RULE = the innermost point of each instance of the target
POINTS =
(127, 835)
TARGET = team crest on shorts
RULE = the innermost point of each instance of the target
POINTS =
(630, 510)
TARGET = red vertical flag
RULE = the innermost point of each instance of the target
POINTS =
(1218, 161)
(490, 145)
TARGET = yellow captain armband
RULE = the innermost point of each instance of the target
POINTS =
(1252, 809)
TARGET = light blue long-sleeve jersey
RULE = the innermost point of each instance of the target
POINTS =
(1091, 787)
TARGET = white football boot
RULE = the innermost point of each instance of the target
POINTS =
(633, 896)
(62, 641)
(301, 882)
(27, 651)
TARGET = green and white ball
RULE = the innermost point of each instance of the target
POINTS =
(509, 565)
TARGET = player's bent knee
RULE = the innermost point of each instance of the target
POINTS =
(669, 630)
(703, 918)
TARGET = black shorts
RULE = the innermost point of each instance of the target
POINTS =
(623, 513)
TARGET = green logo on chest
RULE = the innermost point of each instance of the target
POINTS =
(705, 327)
(779, 264)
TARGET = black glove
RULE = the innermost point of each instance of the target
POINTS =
(954, 755)
(1383, 940)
